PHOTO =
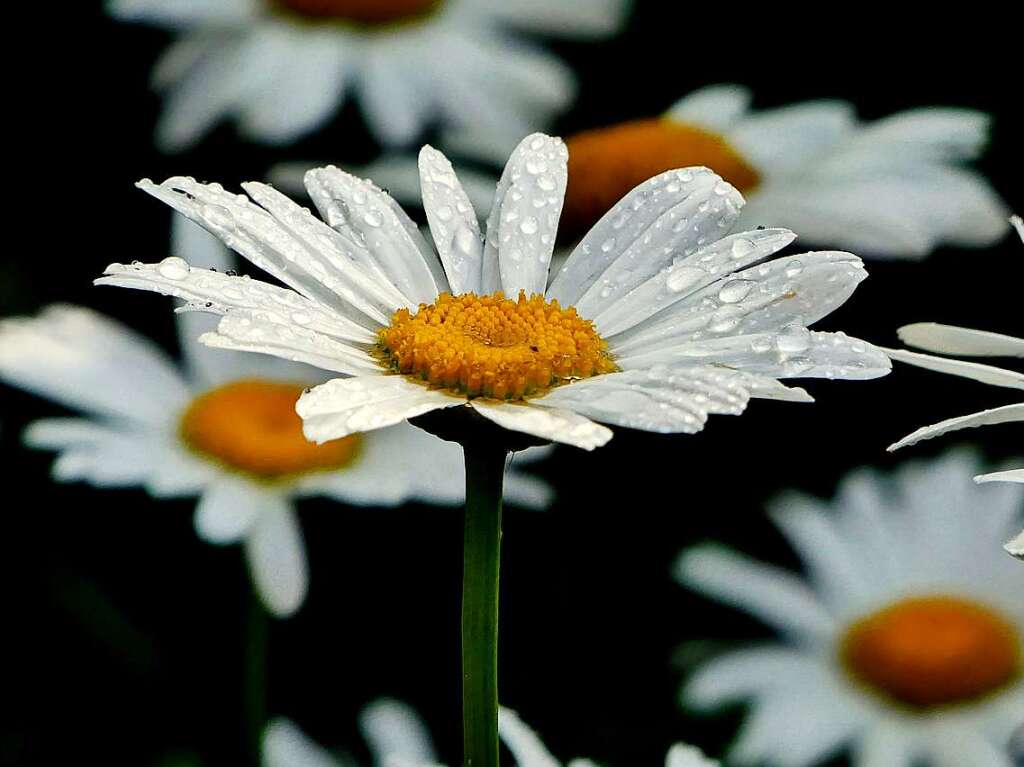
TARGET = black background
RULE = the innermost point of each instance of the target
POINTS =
(128, 633)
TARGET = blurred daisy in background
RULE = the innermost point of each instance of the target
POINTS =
(224, 428)
(282, 68)
(893, 188)
(397, 737)
(949, 339)
(905, 641)
(658, 319)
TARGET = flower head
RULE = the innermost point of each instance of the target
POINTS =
(949, 339)
(659, 318)
(906, 641)
(221, 427)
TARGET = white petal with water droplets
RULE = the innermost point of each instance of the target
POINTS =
(524, 220)
(703, 217)
(249, 332)
(623, 225)
(453, 223)
(557, 425)
(687, 275)
(973, 370)
(1011, 475)
(346, 406)
(359, 209)
(1005, 414)
(950, 339)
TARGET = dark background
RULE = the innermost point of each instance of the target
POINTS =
(129, 633)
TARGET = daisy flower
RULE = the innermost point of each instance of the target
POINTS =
(893, 188)
(282, 68)
(949, 339)
(657, 320)
(397, 737)
(223, 428)
(905, 642)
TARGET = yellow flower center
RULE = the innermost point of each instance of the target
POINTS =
(251, 426)
(493, 346)
(363, 12)
(933, 651)
(606, 163)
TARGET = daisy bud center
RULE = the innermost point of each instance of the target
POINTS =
(606, 163)
(933, 651)
(251, 426)
(492, 346)
(368, 12)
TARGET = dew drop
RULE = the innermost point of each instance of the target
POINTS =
(734, 290)
(173, 268)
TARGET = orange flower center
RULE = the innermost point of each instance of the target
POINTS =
(933, 651)
(251, 426)
(606, 163)
(366, 12)
(493, 346)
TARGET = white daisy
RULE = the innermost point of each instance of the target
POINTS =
(658, 319)
(397, 737)
(905, 643)
(949, 339)
(224, 428)
(893, 188)
(283, 67)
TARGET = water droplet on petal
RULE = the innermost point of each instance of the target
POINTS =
(173, 268)
(734, 290)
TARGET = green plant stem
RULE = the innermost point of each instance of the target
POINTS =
(485, 472)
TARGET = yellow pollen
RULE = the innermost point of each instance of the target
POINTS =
(364, 12)
(492, 346)
(933, 651)
(606, 163)
(251, 426)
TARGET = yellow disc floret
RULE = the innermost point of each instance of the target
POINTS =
(933, 651)
(251, 426)
(606, 163)
(493, 346)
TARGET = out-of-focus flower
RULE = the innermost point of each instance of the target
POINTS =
(283, 67)
(398, 738)
(905, 642)
(657, 320)
(893, 188)
(949, 339)
(224, 429)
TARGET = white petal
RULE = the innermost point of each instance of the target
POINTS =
(928, 135)
(775, 596)
(885, 745)
(570, 19)
(688, 275)
(744, 673)
(1013, 475)
(358, 209)
(659, 400)
(793, 352)
(973, 370)
(715, 108)
(524, 220)
(554, 424)
(1018, 224)
(321, 272)
(453, 222)
(524, 744)
(950, 339)
(785, 292)
(659, 199)
(345, 406)
(85, 361)
(1016, 546)
(310, 70)
(227, 510)
(393, 730)
(682, 755)
(1005, 414)
(277, 556)
(182, 12)
(395, 101)
(245, 332)
(779, 140)
(217, 293)
(285, 745)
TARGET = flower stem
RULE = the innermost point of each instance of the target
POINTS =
(485, 472)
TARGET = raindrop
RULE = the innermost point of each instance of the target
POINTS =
(734, 290)
(793, 339)
(794, 268)
(529, 225)
(742, 247)
(173, 268)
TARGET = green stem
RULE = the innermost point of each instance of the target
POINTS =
(256, 641)
(485, 472)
